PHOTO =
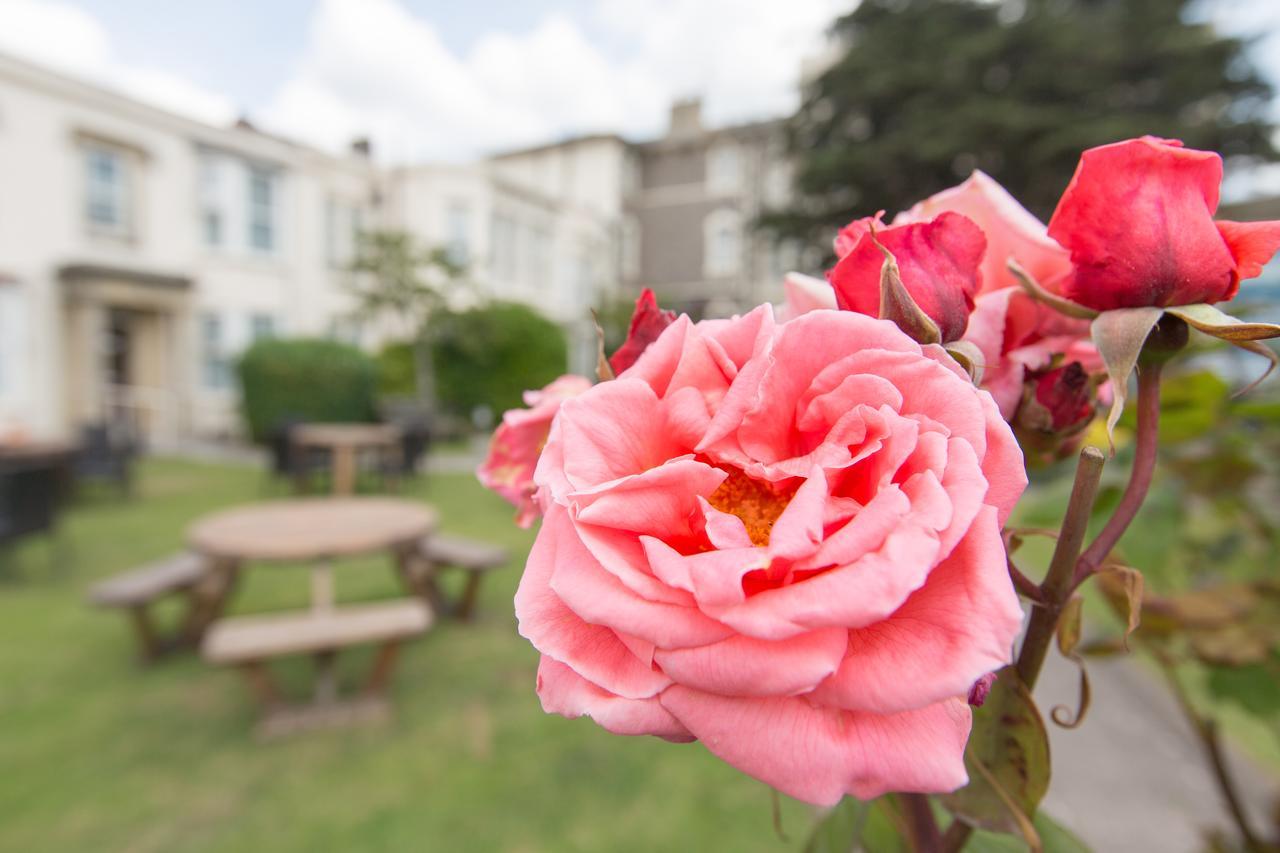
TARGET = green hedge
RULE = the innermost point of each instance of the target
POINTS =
(304, 379)
(488, 356)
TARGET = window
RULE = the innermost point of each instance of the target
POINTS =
(457, 232)
(261, 326)
(212, 218)
(107, 182)
(722, 243)
(262, 213)
(213, 352)
(724, 169)
(504, 249)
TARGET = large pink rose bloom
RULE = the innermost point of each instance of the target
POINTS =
(513, 453)
(782, 540)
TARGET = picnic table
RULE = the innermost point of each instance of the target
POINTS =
(313, 531)
(344, 443)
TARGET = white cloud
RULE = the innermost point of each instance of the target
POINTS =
(372, 67)
(70, 40)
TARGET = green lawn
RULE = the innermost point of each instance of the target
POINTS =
(97, 753)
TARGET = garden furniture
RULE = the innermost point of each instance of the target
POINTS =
(313, 531)
(136, 590)
(33, 485)
(344, 443)
(438, 553)
(106, 453)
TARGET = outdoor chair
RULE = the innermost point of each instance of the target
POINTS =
(106, 454)
(30, 499)
(299, 466)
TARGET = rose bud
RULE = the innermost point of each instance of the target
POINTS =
(518, 441)
(1056, 407)
(938, 260)
(647, 322)
(1137, 218)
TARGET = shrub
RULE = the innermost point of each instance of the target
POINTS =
(396, 372)
(304, 379)
(488, 356)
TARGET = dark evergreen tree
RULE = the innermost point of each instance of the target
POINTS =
(928, 90)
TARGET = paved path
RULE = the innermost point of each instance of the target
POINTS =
(1133, 779)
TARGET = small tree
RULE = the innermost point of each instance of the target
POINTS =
(397, 280)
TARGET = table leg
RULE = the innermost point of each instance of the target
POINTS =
(467, 603)
(344, 470)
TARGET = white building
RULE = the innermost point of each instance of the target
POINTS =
(140, 252)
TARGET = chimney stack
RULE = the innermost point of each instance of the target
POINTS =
(686, 118)
(362, 147)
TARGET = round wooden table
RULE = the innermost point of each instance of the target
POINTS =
(315, 531)
(344, 442)
(310, 530)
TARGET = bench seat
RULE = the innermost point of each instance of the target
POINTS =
(148, 583)
(244, 639)
(456, 551)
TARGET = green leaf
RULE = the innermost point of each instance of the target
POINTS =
(1211, 321)
(1256, 688)
(1119, 336)
(1054, 838)
(1007, 759)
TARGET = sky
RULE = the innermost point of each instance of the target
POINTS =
(433, 79)
(455, 79)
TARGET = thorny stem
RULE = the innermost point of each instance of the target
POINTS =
(1056, 589)
(1144, 466)
(1206, 730)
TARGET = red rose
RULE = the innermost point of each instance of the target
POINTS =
(647, 322)
(1137, 218)
(940, 262)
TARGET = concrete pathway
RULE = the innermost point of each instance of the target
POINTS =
(1133, 777)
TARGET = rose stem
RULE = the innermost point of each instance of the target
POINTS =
(1055, 590)
(1144, 466)
(923, 827)
(1207, 730)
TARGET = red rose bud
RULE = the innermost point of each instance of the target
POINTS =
(647, 323)
(1137, 218)
(1067, 396)
(939, 263)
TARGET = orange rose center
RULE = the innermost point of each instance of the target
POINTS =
(757, 502)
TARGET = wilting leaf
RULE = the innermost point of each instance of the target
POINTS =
(1231, 645)
(1007, 759)
(1069, 630)
(1257, 349)
(1119, 336)
(1123, 587)
(1211, 321)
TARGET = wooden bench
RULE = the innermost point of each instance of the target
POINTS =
(138, 589)
(438, 553)
(249, 642)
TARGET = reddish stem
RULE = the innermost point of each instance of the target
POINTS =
(923, 826)
(1144, 466)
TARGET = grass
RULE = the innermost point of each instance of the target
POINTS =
(98, 753)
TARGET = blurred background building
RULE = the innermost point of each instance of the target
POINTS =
(144, 250)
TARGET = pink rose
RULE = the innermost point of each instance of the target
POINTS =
(513, 453)
(1012, 231)
(782, 540)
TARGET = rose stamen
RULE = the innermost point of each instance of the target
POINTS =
(758, 503)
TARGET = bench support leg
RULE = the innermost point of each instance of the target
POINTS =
(261, 683)
(151, 648)
(419, 579)
(467, 603)
(326, 678)
(383, 664)
(207, 600)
